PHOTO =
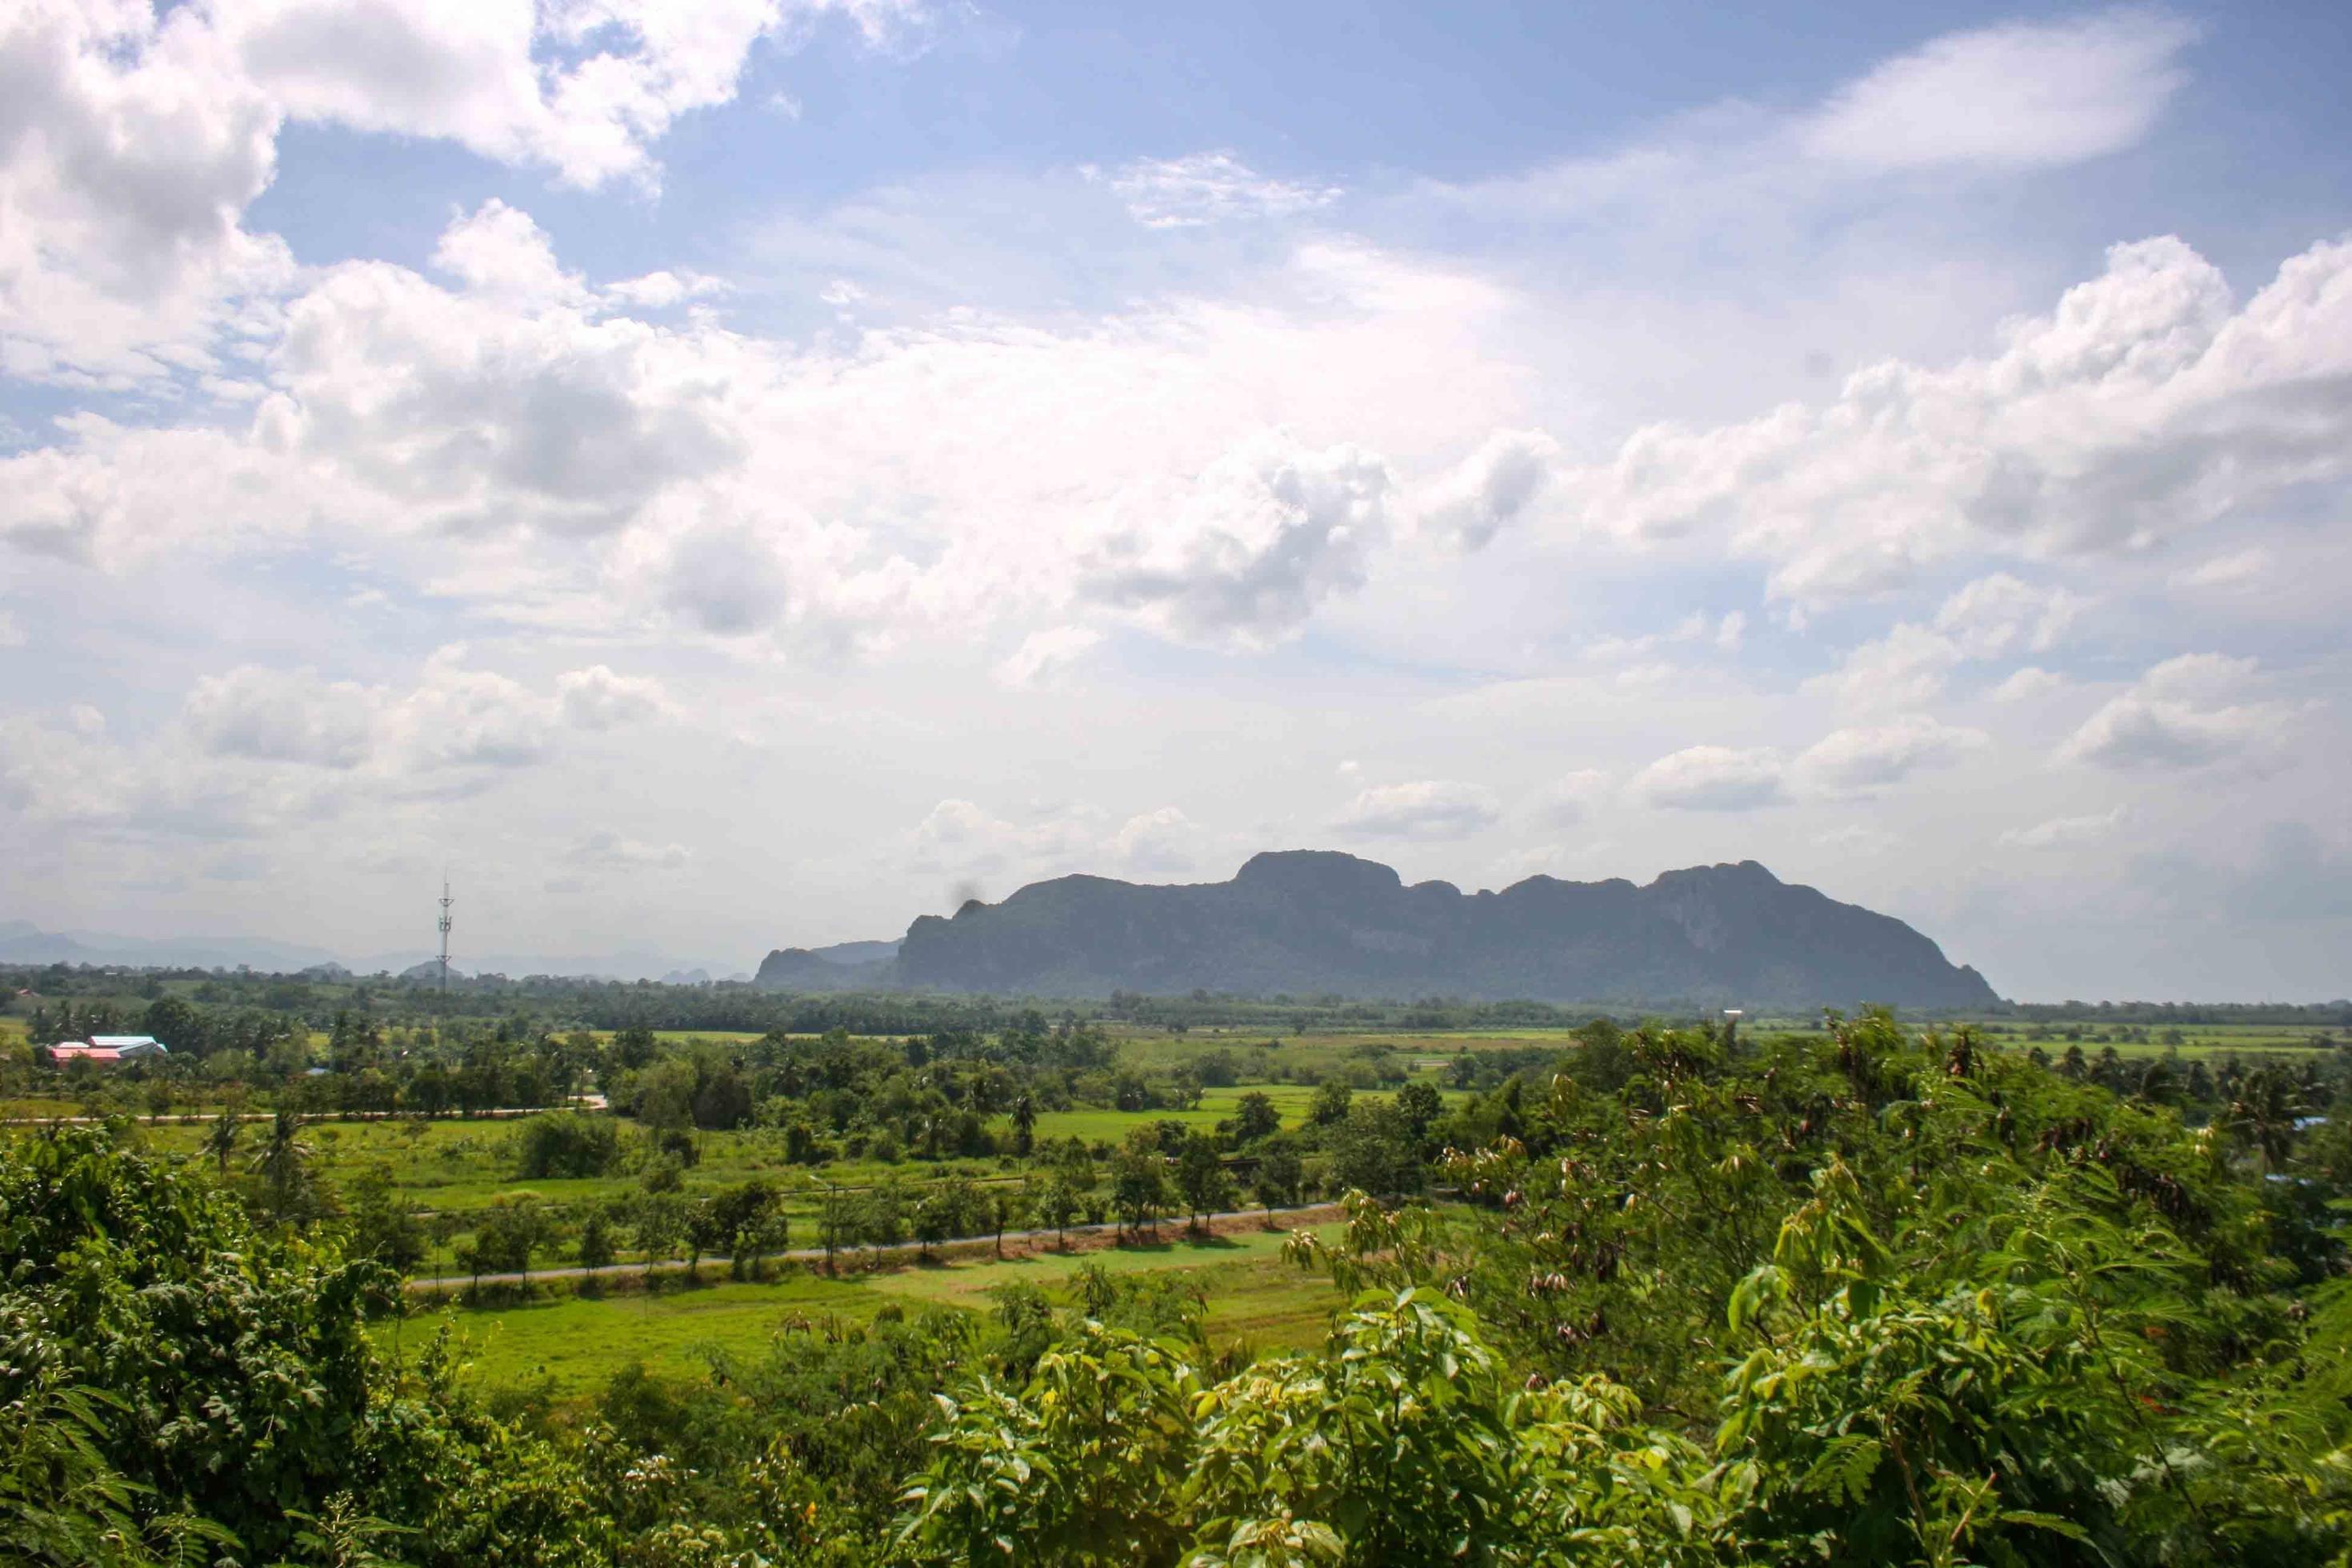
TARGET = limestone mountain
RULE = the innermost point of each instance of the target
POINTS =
(1311, 922)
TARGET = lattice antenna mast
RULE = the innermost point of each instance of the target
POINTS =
(446, 902)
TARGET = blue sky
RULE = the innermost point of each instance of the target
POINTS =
(739, 473)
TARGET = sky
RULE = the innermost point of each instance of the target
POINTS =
(717, 475)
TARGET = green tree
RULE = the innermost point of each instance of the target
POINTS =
(1201, 1180)
(1139, 1182)
(1255, 1119)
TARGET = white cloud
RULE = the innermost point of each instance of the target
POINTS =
(2238, 569)
(1208, 187)
(1985, 619)
(2063, 831)
(2142, 408)
(501, 252)
(605, 848)
(2028, 682)
(282, 716)
(2181, 714)
(659, 291)
(1711, 778)
(2020, 94)
(1425, 808)
(130, 148)
(1569, 799)
(596, 699)
(123, 256)
(1855, 761)
(1043, 652)
(1857, 838)
(585, 88)
(1491, 488)
(1157, 841)
(1245, 553)
(2000, 614)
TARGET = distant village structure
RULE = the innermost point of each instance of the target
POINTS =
(110, 1048)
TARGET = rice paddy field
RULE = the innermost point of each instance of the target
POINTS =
(569, 1345)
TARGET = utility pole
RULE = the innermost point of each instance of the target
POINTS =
(446, 901)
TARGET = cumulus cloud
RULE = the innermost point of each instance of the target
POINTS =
(488, 415)
(1207, 187)
(596, 699)
(1491, 488)
(2145, 406)
(2020, 94)
(122, 251)
(1161, 841)
(2185, 712)
(2028, 682)
(585, 89)
(1425, 808)
(282, 716)
(1862, 760)
(1711, 778)
(1986, 619)
(1244, 554)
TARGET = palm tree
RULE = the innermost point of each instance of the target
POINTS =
(284, 1162)
(220, 1139)
(2264, 1113)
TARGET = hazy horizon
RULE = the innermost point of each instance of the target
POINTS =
(741, 476)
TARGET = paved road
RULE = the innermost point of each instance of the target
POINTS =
(816, 1253)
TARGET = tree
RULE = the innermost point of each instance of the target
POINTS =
(1254, 1117)
(750, 1222)
(2262, 1114)
(1025, 1123)
(1201, 1178)
(568, 1144)
(660, 1226)
(1007, 1206)
(837, 1221)
(512, 1232)
(705, 1231)
(595, 1250)
(1059, 1201)
(220, 1138)
(935, 1220)
(283, 1164)
(1331, 1101)
(383, 1223)
(1279, 1177)
(1420, 1105)
(1139, 1181)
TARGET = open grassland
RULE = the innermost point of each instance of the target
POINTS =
(572, 1344)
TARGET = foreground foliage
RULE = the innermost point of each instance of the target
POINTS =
(1866, 1298)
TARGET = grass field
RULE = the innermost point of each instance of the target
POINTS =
(572, 1344)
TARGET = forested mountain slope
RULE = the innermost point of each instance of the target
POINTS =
(1310, 922)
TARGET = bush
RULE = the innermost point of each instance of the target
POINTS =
(573, 1145)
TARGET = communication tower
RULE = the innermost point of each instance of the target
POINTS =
(446, 901)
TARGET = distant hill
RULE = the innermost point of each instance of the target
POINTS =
(1314, 922)
(23, 942)
(844, 966)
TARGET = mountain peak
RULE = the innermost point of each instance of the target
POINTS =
(1318, 920)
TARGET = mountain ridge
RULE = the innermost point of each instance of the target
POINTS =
(1323, 922)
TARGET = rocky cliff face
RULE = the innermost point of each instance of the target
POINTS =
(1309, 923)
